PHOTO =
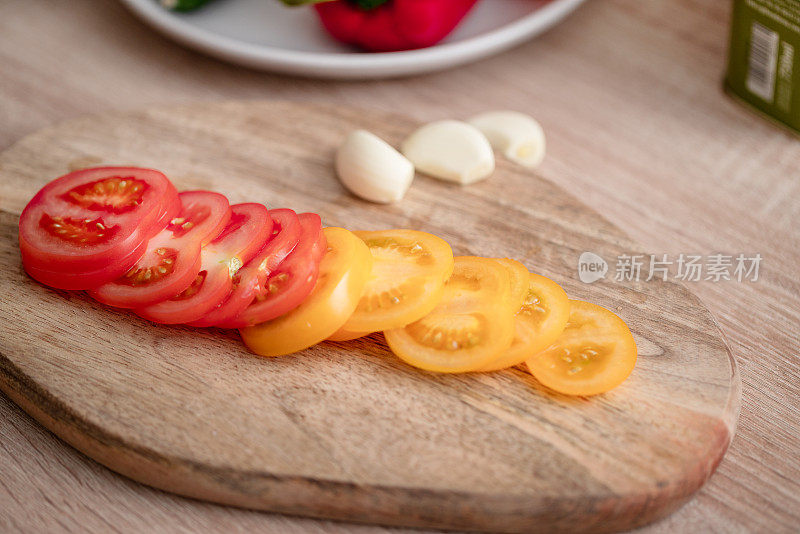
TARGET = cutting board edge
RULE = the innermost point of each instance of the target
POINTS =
(734, 405)
(390, 506)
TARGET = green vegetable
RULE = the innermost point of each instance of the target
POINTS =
(183, 5)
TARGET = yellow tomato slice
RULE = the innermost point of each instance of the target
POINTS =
(595, 353)
(343, 274)
(538, 323)
(407, 280)
(475, 282)
(471, 325)
(519, 277)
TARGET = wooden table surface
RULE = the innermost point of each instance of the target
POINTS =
(629, 95)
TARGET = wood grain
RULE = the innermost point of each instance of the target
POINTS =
(346, 431)
(629, 95)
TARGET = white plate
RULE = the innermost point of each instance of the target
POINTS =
(267, 35)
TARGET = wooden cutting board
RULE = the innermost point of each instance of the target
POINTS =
(345, 430)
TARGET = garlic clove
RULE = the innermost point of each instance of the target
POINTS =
(450, 150)
(518, 136)
(372, 169)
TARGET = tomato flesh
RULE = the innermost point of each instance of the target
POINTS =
(286, 286)
(595, 353)
(117, 194)
(471, 325)
(172, 259)
(343, 274)
(79, 232)
(249, 227)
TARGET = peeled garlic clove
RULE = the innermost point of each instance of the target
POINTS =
(518, 136)
(450, 150)
(372, 169)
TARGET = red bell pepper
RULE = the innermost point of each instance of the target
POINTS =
(389, 25)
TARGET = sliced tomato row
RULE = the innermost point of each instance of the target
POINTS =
(494, 314)
(452, 315)
(249, 227)
(343, 275)
(250, 280)
(126, 235)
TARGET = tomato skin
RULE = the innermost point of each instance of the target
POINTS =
(286, 234)
(347, 335)
(203, 216)
(595, 353)
(249, 227)
(343, 274)
(87, 279)
(87, 219)
(287, 286)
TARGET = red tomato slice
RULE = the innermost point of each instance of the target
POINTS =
(285, 235)
(248, 229)
(320, 247)
(90, 279)
(89, 219)
(172, 259)
(291, 281)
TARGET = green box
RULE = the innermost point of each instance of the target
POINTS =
(763, 63)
